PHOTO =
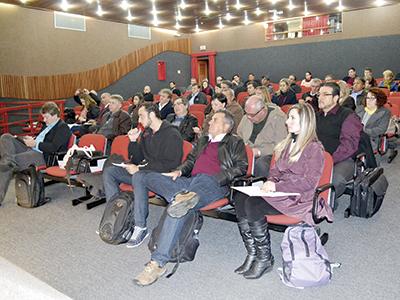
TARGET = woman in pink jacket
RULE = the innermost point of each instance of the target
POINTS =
(299, 161)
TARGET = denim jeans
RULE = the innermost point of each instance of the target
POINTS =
(205, 186)
(113, 176)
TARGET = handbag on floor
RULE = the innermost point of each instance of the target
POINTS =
(187, 243)
(117, 223)
(305, 261)
(29, 188)
(368, 192)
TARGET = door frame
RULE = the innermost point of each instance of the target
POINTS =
(211, 65)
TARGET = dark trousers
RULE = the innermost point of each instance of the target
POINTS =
(252, 208)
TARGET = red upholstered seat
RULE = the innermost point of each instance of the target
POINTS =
(197, 107)
(199, 115)
(285, 108)
(241, 97)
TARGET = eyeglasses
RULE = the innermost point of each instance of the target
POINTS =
(370, 98)
(255, 114)
(324, 94)
(177, 103)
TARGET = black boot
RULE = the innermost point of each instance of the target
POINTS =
(248, 241)
(264, 259)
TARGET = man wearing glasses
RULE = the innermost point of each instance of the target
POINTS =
(339, 130)
(262, 127)
(311, 97)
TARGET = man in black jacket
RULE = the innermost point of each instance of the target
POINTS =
(165, 105)
(183, 120)
(159, 149)
(196, 97)
(204, 177)
(19, 153)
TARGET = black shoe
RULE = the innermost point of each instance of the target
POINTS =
(392, 155)
(248, 241)
(264, 261)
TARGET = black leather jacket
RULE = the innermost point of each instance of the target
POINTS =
(231, 154)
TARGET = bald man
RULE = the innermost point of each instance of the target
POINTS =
(262, 128)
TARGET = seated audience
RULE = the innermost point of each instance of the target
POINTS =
(329, 78)
(147, 95)
(285, 95)
(203, 178)
(351, 75)
(292, 84)
(358, 92)
(116, 121)
(133, 110)
(370, 82)
(234, 108)
(307, 79)
(265, 81)
(206, 88)
(299, 161)
(251, 88)
(311, 97)
(90, 109)
(225, 85)
(252, 78)
(17, 154)
(368, 76)
(374, 116)
(339, 130)
(183, 120)
(388, 81)
(218, 103)
(165, 104)
(174, 89)
(262, 128)
(262, 92)
(192, 81)
(196, 97)
(159, 149)
(219, 80)
(236, 82)
(345, 99)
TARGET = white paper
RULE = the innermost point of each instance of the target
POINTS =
(254, 191)
(99, 167)
(122, 165)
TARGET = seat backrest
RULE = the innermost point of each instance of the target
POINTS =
(394, 108)
(199, 116)
(197, 107)
(97, 140)
(187, 148)
(120, 146)
(285, 108)
(71, 141)
(250, 161)
(241, 97)
(208, 99)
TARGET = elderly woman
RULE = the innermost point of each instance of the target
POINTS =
(184, 121)
(374, 116)
(388, 81)
(285, 95)
(299, 161)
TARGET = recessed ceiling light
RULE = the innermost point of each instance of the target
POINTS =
(65, 5)
(220, 25)
(99, 11)
(380, 2)
(340, 6)
(124, 4)
(290, 5)
(129, 17)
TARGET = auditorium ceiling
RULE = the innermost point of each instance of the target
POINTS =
(189, 16)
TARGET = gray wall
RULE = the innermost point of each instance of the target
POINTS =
(320, 58)
(146, 74)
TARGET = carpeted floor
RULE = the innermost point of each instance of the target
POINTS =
(57, 244)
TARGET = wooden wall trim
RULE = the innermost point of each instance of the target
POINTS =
(64, 85)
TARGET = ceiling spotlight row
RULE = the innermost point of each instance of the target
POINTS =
(126, 5)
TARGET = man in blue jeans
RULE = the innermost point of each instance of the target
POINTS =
(159, 149)
(204, 177)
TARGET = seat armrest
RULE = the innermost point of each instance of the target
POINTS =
(316, 200)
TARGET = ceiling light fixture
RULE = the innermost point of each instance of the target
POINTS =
(99, 11)
(183, 4)
(129, 17)
(340, 6)
(89, 1)
(124, 4)
(290, 5)
(273, 2)
(197, 29)
(207, 10)
(65, 5)
(220, 25)
(177, 26)
(179, 16)
(155, 21)
(228, 16)
(380, 2)
(246, 20)
(306, 12)
(238, 6)
(329, 2)
(258, 11)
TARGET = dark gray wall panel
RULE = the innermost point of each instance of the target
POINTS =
(321, 58)
(146, 74)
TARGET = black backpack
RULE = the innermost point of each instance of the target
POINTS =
(29, 188)
(188, 242)
(117, 223)
(368, 192)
